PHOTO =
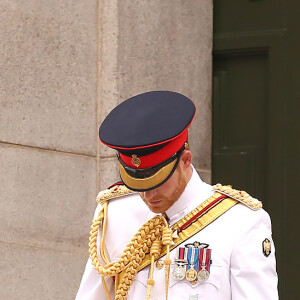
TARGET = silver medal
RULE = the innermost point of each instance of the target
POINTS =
(179, 272)
(203, 274)
(180, 268)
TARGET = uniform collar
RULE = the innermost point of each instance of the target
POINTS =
(195, 192)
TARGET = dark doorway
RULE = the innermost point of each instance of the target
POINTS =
(255, 115)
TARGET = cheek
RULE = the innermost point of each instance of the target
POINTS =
(171, 185)
(166, 190)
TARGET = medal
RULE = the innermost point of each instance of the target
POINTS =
(191, 273)
(204, 264)
(203, 275)
(179, 272)
(181, 262)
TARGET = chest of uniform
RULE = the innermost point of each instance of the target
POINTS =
(200, 267)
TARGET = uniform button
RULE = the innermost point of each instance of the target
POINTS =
(159, 264)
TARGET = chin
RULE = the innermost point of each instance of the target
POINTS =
(157, 210)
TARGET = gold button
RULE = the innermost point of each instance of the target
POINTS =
(193, 282)
(159, 264)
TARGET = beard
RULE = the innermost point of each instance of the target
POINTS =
(165, 202)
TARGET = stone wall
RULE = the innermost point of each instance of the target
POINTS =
(152, 45)
(63, 66)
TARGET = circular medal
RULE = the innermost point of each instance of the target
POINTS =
(179, 272)
(191, 275)
(203, 275)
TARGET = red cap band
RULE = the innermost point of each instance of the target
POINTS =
(159, 156)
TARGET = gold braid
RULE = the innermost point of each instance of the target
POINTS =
(144, 240)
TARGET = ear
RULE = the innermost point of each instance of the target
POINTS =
(186, 159)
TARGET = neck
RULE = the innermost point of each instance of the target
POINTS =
(188, 174)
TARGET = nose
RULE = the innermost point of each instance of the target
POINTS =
(149, 194)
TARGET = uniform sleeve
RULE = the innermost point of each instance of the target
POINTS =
(91, 287)
(253, 275)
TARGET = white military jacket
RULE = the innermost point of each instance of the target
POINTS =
(239, 269)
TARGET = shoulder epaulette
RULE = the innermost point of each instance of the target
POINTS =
(112, 192)
(240, 196)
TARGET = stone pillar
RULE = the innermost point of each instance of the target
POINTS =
(63, 66)
(48, 138)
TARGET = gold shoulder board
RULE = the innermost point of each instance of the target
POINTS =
(240, 196)
(113, 192)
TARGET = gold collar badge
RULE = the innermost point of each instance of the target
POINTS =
(135, 160)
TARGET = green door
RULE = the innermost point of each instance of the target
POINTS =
(256, 65)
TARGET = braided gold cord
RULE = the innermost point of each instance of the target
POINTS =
(105, 288)
(154, 253)
(167, 241)
(133, 254)
(104, 224)
(142, 242)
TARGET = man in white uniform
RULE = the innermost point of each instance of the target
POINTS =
(162, 233)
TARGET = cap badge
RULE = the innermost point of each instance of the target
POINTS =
(135, 160)
(266, 247)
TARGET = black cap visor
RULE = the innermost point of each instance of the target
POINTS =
(147, 179)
